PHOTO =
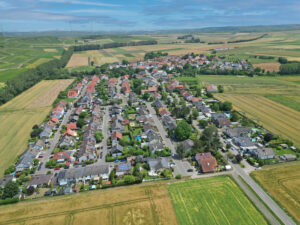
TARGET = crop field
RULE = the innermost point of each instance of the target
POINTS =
(271, 101)
(38, 62)
(216, 200)
(282, 181)
(20, 114)
(268, 66)
(78, 60)
(275, 117)
(139, 204)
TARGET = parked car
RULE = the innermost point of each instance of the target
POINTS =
(57, 168)
(40, 166)
(190, 170)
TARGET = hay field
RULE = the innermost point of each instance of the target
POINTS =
(138, 204)
(271, 101)
(282, 181)
(78, 60)
(273, 116)
(216, 200)
(268, 66)
(50, 49)
(38, 62)
(20, 114)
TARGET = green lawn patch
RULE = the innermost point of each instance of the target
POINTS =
(285, 100)
(215, 200)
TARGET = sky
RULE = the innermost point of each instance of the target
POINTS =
(145, 15)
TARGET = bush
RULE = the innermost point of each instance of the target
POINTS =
(178, 176)
(9, 201)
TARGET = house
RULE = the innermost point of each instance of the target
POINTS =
(117, 126)
(155, 145)
(73, 93)
(116, 150)
(288, 157)
(237, 132)
(220, 120)
(245, 143)
(151, 135)
(264, 153)
(70, 133)
(71, 126)
(123, 168)
(116, 135)
(5, 179)
(39, 145)
(67, 141)
(207, 162)
(62, 156)
(169, 122)
(157, 165)
(40, 180)
(26, 162)
(188, 144)
(212, 88)
(46, 133)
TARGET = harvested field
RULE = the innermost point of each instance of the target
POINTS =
(138, 204)
(282, 181)
(47, 98)
(50, 50)
(18, 119)
(268, 66)
(78, 60)
(38, 62)
(216, 200)
(275, 117)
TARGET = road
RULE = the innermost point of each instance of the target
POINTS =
(181, 167)
(104, 149)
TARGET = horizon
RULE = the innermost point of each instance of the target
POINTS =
(140, 15)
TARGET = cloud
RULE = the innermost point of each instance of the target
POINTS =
(78, 2)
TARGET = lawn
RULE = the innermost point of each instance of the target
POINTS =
(282, 181)
(138, 204)
(20, 114)
(8, 74)
(216, 200)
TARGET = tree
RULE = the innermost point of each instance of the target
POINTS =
(146, 96)
(129, 179)
(125, 62)
(210, 138)
(203, 123)
(10, 190)
(180, 150)
(228, 146)
(183, 131)
(99, 136)
(282, 60)
(220, 89)
(215, 107)
(195, 113)
(30, 190)
(36, 162)
(178, 176)
(80, 123)
(238, 158)
(268, 137)
(226, 106)
(235, 117)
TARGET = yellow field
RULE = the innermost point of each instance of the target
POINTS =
(50, 50)
(268, 66)
(38, 62)
(20, 114)
(78, 60)
(139, 204)
(97, 56)
(282, 181)
(275, 117)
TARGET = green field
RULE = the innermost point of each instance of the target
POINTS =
(216, 200)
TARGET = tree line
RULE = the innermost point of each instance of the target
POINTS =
(25, 80)
(152, 55)
(112, 45)
(246, 40)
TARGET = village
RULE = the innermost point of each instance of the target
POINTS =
(141, 127)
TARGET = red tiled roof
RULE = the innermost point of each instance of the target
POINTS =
(54, 119)
(208, 164)
(71, 126)
(116, 134)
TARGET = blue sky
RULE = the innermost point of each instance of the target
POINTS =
(130, 15)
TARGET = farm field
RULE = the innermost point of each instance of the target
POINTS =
(216, 200)
(138, 204)
(20, 114)
(275, 117)
(282, 181)
(78, 60)
(271, 101)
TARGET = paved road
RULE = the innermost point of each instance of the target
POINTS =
(264, 196)
(181, 167)
(105, 136)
